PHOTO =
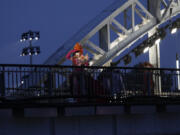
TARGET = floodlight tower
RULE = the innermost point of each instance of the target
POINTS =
(30, 50)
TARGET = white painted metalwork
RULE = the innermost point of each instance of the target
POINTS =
(126, 36)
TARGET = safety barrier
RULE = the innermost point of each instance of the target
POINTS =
(68, 84)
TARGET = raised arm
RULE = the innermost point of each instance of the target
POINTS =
(68, 56)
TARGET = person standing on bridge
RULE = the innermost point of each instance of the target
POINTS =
(77, 79)
(77, 57)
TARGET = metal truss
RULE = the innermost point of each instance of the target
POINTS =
(128, 20)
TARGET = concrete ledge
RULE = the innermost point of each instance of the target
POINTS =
(5, 112)
(173, 108)
(143, 109)
(79, 111)
(40, 112)
(109, 110)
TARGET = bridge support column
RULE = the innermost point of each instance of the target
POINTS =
(2, 84)
(154, 8)
(154, 59)
(104, 40)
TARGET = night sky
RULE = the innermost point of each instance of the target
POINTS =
(57, 21)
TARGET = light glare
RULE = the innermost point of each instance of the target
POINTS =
(158, 41)
(146, 49)
(174, 30)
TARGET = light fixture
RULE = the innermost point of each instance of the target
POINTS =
(137, 51)
(31, 35)
(30, 50)
(173, 30)
(38, 50)
(175, 26)
(37, 36)
(146, 49)
(22, 82)
(127, 59)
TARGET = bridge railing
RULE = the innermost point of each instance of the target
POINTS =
(87, 83)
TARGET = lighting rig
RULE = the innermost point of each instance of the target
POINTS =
(30, 50)
(175, 26)
(148, 43)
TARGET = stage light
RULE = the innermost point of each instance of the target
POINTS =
(127, 59)
(22, 37)
(25, 36)
(22, 82)
(31, 35)
(25, 51)
(30, 50)
(160, 34)
(37, 36)
(146, 49)
(173, 30)
(38, 50)
(175, 26)
(137, 51)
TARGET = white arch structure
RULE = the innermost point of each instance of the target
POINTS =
(159, 12)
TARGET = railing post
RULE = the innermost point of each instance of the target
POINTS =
(2, 83)
(177, 67)
(48, 83)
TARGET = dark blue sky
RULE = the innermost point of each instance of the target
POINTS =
(57, 21)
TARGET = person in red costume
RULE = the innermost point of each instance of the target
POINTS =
(78, 77)
(77, 57)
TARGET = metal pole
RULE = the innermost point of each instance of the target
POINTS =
(177, 67)
(30, 46)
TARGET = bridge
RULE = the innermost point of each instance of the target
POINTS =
(108, 98)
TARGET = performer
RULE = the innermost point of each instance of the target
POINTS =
(77, 57)
(78, 77)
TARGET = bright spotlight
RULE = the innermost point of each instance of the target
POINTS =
(146, 49)
(36, 38)
(174, 30)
